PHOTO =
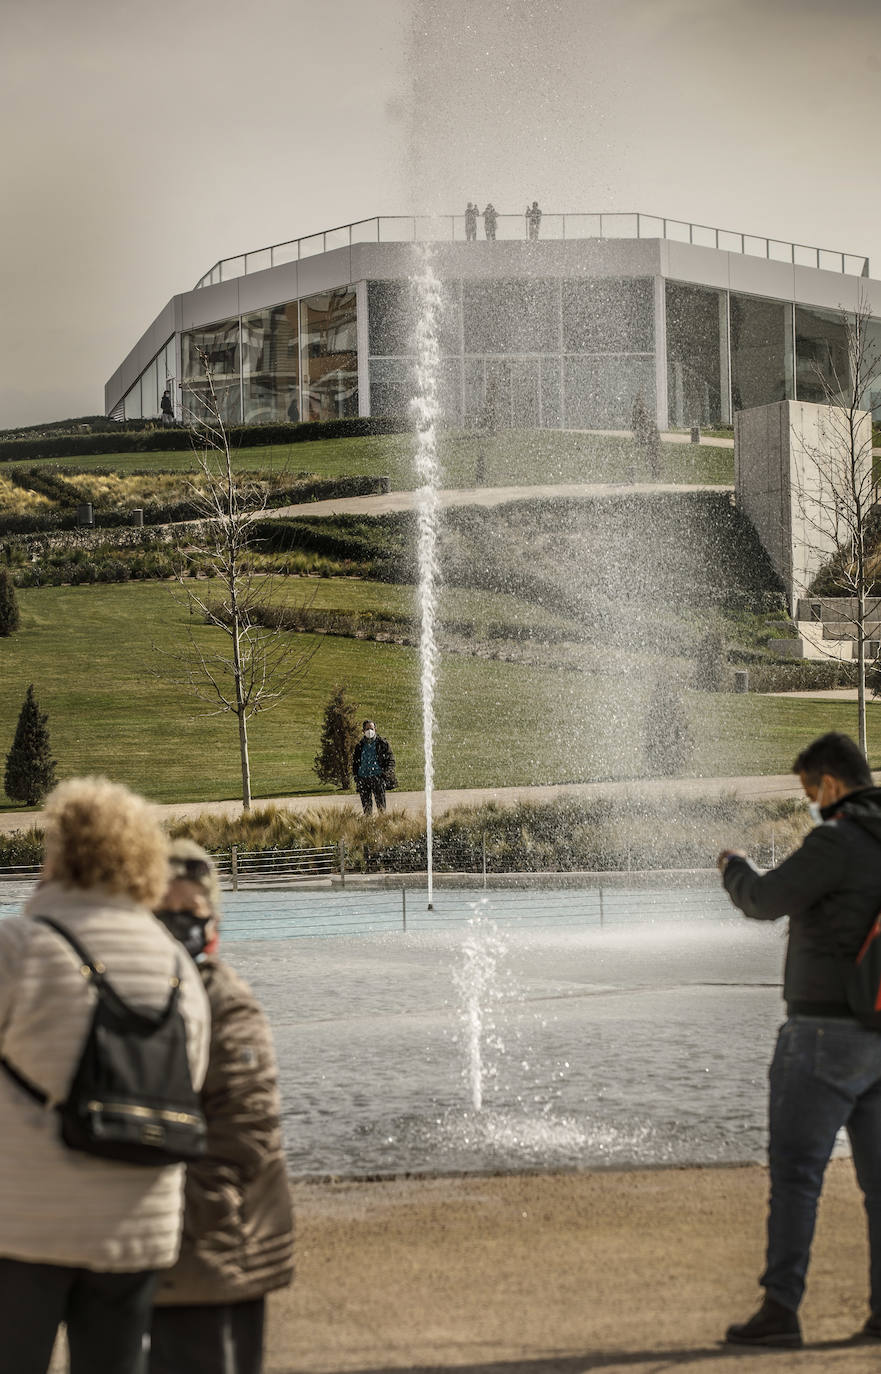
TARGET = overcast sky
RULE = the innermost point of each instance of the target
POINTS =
(143, 141)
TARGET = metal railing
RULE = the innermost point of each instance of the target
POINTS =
(278, 867)
(240, 868)
(510, 228)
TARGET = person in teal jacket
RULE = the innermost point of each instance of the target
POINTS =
(373, 768)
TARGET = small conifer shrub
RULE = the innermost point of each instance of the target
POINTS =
(646, 435)
(9, 617)
(339, 735)
(30, 767)
(669, 741)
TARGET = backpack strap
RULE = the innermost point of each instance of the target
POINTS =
(24, 1083)
(95, 972)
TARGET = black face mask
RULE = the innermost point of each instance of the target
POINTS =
(190, 929)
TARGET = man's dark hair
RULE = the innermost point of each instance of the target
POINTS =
(365, 723)
(837, 755)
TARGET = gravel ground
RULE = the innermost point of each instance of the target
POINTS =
(615, 1271)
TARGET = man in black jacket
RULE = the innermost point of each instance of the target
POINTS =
(826, 1069)
(373, 767)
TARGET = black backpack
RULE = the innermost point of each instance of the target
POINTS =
(132, 1097)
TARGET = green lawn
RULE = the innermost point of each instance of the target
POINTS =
(460, 604)
(88, 652)
(512, 457)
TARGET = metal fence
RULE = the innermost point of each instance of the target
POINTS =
(601, 905)
(241, 868)
(451, 229)
(278, 867)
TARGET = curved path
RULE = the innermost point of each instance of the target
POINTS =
(771, 788)
(487, 496)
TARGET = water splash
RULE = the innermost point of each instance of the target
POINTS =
(426, 410)
(480, 981)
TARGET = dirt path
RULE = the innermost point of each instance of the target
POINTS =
(485, 496)
(555, 1274)
(751, 788)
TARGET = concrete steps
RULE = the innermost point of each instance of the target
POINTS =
(825, 630)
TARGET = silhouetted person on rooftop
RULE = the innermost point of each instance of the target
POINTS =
(471, 213)
(490, 215)
(533, 219)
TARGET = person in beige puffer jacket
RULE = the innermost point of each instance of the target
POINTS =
(238, 1229)
(81, 1238)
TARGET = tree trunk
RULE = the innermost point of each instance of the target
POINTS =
(861, 672)
(241, 708)
(246, 764)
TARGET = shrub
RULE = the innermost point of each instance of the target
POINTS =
(710, 663)
(646, 434)
(9, 614)
(176, 438)
(339, 735)
(669, 742)
(30, 768)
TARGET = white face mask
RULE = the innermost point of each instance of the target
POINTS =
(815, 813)
(370, 734)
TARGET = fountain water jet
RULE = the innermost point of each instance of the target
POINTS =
(480, 983)
(426, 409)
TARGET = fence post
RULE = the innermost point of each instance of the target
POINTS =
(483, 849)
(342, 852)
(404, 904)
(601, 908)
(235, 868)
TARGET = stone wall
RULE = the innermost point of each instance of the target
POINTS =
(789, 458)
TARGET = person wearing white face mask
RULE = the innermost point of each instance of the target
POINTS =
(826, 1070)
(373, 768)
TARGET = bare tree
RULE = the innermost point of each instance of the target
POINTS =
(835, 484)
(255, 666)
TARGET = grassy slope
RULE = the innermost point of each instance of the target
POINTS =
(88, 650)
(510, 458)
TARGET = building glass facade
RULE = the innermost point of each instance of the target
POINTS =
(141, 402)
(761, 351)
(329, 358)
(522, 353)
(571, 353)
(271, 365)
(697, 355)
(217, 349)
(822, 366)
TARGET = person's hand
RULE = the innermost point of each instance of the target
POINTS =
(722, 861)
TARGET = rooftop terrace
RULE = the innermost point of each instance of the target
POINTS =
(451, 229)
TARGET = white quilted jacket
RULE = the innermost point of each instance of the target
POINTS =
(59, 1206)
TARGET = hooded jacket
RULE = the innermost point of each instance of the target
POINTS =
(238, 1228)
(830, 889)
(57, 1205)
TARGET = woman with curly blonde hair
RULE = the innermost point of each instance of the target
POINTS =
(81, 1237)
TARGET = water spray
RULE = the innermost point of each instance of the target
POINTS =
(426, 410)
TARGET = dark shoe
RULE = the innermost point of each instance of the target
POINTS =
(773, 1324)
(871, 1331)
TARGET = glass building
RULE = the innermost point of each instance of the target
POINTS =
(563, 333)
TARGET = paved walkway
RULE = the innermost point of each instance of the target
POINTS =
(629, 1273)
(487, 496)
(772, 788)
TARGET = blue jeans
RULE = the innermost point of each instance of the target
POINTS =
(825, 1074)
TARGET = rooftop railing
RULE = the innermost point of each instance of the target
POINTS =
(509, 228)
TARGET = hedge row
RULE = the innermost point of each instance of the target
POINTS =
(180, 437)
